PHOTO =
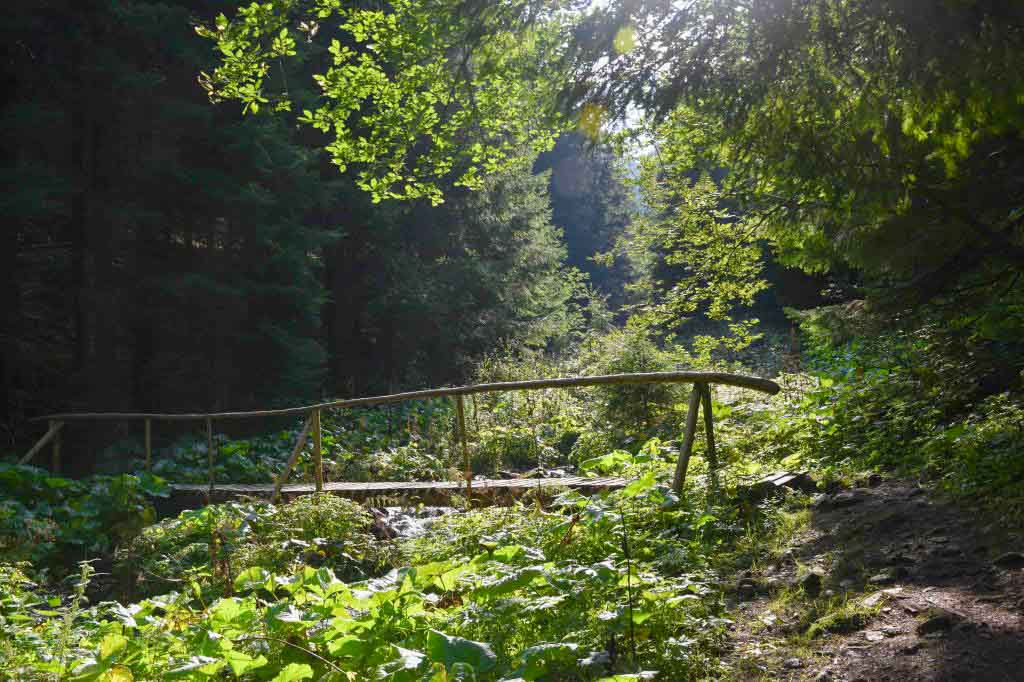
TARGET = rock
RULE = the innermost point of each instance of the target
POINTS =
(902, 560)
(884, 578)
(1010, 560)
(823, 676)
(873, 600)
(873, 635)
(746, 589)
(846, 499)
(911, 649)
(793, 663)
(947, 551)
(380, 527)
(812, 581)
(939, 620)
(875, 480)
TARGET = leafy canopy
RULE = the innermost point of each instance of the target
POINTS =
(849, 129)
(422, 92)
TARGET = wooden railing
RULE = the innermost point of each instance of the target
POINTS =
(700, 395)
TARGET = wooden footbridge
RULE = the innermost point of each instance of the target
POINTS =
(700, 396)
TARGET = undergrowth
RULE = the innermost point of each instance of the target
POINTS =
(613, 586)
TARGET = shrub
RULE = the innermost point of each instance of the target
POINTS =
(54, 521)
(635, 407)
(216, 543)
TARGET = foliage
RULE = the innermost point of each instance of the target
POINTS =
(207, 548)
(542, 595)
(899, 401)
(52, 521)
(635, 407)
(695, 258)
(165, 255)
(424, 91)
(848, 130)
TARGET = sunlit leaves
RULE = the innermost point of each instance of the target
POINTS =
(412, 95)
(452, 650)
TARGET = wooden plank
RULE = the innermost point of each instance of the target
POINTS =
(684, 451)
(388, 486)
(51, 433)
(723, 378)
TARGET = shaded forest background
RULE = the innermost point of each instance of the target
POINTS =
(160, 253)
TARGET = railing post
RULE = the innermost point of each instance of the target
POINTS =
(50, 434)
(209, 450)
(318, 464)
(709, 433)
(149, 445)
(55, 455)
(687, 446)
(282, 478)
(460, 413)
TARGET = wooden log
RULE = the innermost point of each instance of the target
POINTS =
(709, 434)
(724, 378)
(282, 478)
(51, 433)
(149, 445)
(55, 454)
(687, 446)
(318, 464)
(209, 451)
(460, 412)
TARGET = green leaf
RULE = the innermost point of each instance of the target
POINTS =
(451, 650)
(640, 485)
(111, 645)
(294, 671)
(242, 663)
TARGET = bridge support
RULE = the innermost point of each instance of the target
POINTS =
(51, 434)
(282, 478)
(701, 394)
(149, 445)
(318, 464)
(460, 413)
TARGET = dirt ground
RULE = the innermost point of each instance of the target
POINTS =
(936, 593)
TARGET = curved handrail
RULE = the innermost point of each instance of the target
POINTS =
(700, 394)
(723, 378)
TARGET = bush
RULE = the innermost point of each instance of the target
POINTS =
(634, 407)
(54, 521)
(214, 544)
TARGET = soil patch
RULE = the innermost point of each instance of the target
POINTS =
(912, 588)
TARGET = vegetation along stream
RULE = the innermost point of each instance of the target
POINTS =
(227, 224)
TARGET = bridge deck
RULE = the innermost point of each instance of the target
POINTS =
(371, 488)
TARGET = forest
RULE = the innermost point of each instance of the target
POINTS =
(511, 340)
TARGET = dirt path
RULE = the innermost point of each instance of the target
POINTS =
(908, 587)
